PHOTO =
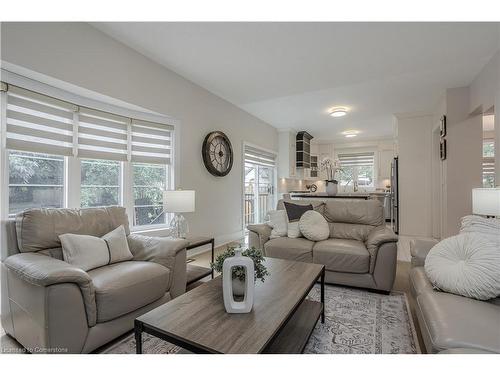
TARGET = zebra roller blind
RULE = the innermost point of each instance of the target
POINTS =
(357, 159)
(39, 123)
(260, 157)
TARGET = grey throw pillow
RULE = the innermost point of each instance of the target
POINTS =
(89, 252)
(118, 245)
(83, 251)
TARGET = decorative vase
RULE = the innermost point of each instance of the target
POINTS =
(231, 286)
(331, 187)
(238, 287)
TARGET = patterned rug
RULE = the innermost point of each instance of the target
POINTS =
(357, 322)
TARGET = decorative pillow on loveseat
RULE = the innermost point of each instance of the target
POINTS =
(278, 222)
(314, 226)
(89, 252)
(294, 212)
(467, 264)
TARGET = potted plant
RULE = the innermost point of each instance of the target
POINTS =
(331, 167)
(238, 273)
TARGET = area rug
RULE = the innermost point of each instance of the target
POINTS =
(357, 322)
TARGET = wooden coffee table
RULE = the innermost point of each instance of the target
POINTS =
(281, 321)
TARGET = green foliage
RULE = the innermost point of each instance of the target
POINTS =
(239, 272)
(488, 149)
(100, 184)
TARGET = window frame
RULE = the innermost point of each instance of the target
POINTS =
(120, 180)
(7, 179)
(360, 150)
(169, 185)
(490, 160)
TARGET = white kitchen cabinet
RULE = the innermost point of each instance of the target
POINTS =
(384, 164)
(287, 154)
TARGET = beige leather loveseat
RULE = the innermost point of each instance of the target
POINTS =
(450, 323)
(360, 252)
(49, 305)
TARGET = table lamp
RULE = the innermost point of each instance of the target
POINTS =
(179, 202)
(486, 202)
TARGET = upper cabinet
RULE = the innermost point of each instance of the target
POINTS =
(385, 157)
(287, 154)
(303, 149)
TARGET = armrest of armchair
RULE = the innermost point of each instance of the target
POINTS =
(376, 238)
(419, 250)
(170, 253)
(42, 270)
(258, 235)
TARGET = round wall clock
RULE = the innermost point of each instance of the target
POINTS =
(217, 153)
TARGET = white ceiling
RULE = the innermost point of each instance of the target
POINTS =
(290, 74)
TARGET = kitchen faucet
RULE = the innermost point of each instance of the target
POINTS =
(355, 186)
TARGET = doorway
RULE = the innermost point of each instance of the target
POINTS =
(259, 194)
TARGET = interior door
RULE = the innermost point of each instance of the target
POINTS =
(259, 196)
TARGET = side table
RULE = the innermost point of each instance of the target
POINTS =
(195, 273)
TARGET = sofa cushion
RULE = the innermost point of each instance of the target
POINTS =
(452, 321)
(298, 249)
(350, 231)
(368, 212)
(124, 287)
(39, 228)
(342, 255)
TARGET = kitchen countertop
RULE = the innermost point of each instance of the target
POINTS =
(341, 196)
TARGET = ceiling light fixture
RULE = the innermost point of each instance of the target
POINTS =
(350, 133)
(338, 112)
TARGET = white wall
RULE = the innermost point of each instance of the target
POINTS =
(485, 93)
(81, 55)
(463, 164)
(415, 173)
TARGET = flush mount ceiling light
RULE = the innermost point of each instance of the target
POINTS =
(338, 112)
(350, 133)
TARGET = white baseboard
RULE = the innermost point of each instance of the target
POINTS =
(219, 241)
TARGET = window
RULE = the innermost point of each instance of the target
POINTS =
(35, 180)
(100, 183)
(62, 154)
(149, 181)
(488, 163)
(357, 167)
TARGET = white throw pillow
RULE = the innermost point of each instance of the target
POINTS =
(83, 251)
(314, 226)
(467, 264)
(118, 245)
(279, 222)
(293, 229)
(89, 252)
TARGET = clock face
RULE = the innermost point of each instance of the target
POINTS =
(217, 153)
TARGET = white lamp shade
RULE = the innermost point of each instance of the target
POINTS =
(486, 201)
(179, 200)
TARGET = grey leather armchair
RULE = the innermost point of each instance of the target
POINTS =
(361, 250)
(49, 305)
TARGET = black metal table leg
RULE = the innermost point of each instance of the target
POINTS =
(323, 295)
(138, 337)
(213, 249)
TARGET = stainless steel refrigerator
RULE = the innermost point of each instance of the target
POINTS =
(394, 196)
